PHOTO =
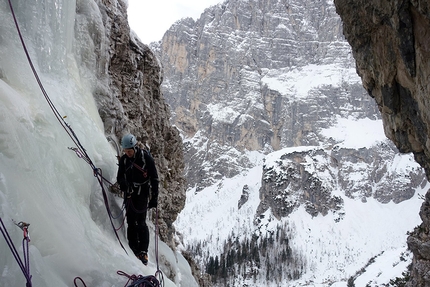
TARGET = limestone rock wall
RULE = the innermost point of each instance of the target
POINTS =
(129, 98)
(217, 68)
(312, 177)
(391, 44)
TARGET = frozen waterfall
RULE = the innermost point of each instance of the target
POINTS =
(44, 183)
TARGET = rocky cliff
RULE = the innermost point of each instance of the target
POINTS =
(129, 98)
(219, 72)
(262, 75)
(300, 178)
(390, 42)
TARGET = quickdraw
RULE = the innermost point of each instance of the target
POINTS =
(24, 226)
(23, 264)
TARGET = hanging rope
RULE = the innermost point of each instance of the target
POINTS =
(158, 273)
(106, 202)
(79, 149)
(25, 266)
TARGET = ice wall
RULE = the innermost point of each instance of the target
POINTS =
(44, 183)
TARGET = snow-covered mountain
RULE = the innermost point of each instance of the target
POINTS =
(291, 180)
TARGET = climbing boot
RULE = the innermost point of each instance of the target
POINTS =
(143, 256)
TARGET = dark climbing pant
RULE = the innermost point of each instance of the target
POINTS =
(137, 231)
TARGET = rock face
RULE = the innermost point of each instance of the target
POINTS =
(390, 42)
(218, 71)
(313, 176)
(129, 99)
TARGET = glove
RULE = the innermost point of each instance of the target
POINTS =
(152, 203)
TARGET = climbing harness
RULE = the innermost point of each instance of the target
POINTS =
(23, 264)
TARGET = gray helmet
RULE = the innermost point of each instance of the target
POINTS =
(128, 141)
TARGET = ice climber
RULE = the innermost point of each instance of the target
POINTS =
(137, 176)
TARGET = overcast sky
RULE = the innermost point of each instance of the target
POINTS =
(150, 19)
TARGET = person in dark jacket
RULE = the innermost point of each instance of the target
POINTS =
(138, 179)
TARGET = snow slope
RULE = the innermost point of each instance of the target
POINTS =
(334, 248)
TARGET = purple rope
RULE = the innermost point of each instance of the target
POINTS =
(158, 272)
(24, 268)
(26, 260)
(98, 174)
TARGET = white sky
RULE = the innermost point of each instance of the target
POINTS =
(151, 19)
